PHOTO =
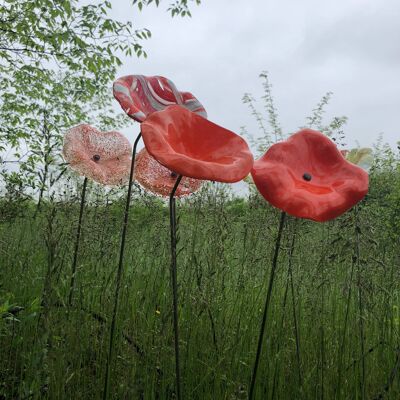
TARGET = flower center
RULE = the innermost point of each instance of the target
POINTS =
(96, 157)
(307, 177)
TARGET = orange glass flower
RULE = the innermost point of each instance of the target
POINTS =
(308, 177)
(160, 180)
(104, 157)
(192, 146)
(139, 96)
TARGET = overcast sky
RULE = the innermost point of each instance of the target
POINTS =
(309, 47)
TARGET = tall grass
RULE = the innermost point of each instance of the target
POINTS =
(333, 323)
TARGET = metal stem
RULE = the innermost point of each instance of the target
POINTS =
(77, 241)
(266, 306)
(172, 216)
(296, 327)
(338, 391)
(119, 272)
(360, 304)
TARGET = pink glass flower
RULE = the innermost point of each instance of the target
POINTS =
(160, 180)
(104, 157)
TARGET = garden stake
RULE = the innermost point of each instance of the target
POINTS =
(338, 392)
(322, 334)
(266, 306)
(279, 341)
(296, 327)
(289, 281)
(172, 217)
(119, 271)
(77, 241)
(360, 304)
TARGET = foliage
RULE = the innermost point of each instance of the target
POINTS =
(224, 252)
(57, 61)
(178, 7)
(46, 35)
(270, 128)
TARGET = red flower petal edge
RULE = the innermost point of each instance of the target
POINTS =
(104, 157)
(160, 180)
(139, 96)
(192, 146)
(308, 177)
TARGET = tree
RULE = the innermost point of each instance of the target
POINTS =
(57, 60)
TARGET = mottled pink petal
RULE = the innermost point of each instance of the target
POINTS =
(104, 157)
(160, 180)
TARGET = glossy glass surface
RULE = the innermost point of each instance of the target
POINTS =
(363, 157)
(139, 96)
(192, 146)
(160, 180)
(335, 185)
(104, 157)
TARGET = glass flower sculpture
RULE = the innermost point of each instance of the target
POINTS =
(308, 177)
(104, 157)
(160, 180)
(192, 146)
(362, 157)
(139, 96)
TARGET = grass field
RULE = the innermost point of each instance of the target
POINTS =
(332, 331)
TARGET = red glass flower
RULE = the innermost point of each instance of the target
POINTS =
(160, 180)
(104, 157)
(308, 177)
(192, 146)
(139, 96)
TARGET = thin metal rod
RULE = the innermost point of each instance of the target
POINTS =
(266, 306)
(338, 391)
(360, 304)
(280, 337)
(296, 327)
(322, 363)
(77, 242)
(119, 272)
(172, 218)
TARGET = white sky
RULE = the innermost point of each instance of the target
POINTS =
(309, 47)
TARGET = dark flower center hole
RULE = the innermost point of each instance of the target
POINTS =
(173, 174)
(307, 177)
(96, 157)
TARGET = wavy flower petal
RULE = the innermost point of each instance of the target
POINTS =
(308, 177)
(104, 157)
(160, 180)
(139, 96)
(192, 146)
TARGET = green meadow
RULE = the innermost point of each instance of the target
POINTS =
(76, 326)
(332, 329)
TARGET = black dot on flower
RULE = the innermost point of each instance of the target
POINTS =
(173, 174)
(96, 157)
(307, 177)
